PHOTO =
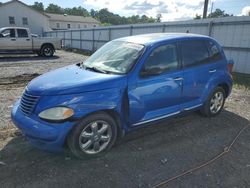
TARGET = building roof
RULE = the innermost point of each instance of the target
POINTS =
(147, 39)
(71, 18)
(17, 1)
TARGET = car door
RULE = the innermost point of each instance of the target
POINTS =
(197, 71)
(23, 40)
(155, 93)
(8, 39)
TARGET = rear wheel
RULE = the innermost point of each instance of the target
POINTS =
(39, 53)
(214, 103)
(47, 50)
(93, 136)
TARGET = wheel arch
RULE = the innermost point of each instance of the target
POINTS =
(47, 43)
(111, 112)
(226, 88)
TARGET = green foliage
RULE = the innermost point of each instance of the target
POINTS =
(78, 11)
(52, 8)
(104, 15)
(218, 13)
(197, 17)
(38, 6)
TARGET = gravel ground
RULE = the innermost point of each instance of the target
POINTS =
(17, 70)
(143, 158)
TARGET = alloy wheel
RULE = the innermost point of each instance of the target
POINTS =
(95, 137)
(216, 102)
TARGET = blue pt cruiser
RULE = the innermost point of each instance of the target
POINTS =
(127, 83)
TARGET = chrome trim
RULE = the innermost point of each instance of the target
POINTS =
(192, 107)
(157, 118)
(178, 79)
(212, 71)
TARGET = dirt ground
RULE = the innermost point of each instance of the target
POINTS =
(143, 158)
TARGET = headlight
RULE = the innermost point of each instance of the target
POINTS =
(56, 113)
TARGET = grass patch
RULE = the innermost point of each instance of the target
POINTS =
(241, 80)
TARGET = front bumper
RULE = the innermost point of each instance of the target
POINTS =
(43, 135)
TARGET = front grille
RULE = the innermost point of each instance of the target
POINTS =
(28, 103)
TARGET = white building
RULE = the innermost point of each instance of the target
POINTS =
(16, 13)
(62, 22)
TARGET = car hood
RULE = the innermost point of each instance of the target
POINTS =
(73, 79)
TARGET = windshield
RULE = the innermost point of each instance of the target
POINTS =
(115, 57)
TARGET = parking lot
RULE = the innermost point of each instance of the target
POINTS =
(143, 158)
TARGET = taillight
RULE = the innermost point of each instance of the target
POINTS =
(230, 66)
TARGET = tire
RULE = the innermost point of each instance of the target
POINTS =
(93, 136)
(214, 103)
(47, 50)
(39, 53)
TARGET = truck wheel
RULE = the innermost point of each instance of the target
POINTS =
(47, 50)
(214, 103)
(93, 136)
(39, 53)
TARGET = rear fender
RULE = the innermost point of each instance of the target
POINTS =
(221, 78)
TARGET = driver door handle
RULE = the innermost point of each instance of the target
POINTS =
(13, 39)
(178, 78)
(212, 71)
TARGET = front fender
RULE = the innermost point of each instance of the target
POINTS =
(84, 103)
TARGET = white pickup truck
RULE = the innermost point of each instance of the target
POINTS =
(20, 40)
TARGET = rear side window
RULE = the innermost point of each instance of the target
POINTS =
(214, 51)
(22, 33)
(162, 59)
(194, 52)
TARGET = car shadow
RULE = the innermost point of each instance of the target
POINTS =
(26, 57)
(141, 159)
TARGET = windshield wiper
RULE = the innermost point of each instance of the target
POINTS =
(96, 69)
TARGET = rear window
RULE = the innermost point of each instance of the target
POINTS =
(194, 52)
(214, 51)
(22, 33)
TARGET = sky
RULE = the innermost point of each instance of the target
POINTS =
(170, 10)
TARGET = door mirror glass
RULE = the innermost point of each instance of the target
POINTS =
(151, 71)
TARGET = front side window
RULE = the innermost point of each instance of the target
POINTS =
(22, 33)
(8, 33)
(194, 52)
(115, 57)
(25, 21)
(12, 20)
(162, 59)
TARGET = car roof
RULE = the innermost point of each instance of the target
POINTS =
(147, 39)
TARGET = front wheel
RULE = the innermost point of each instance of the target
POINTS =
(93, 136)
(214, 103)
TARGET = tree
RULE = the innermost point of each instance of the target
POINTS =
(218, 13)
(38, 6)
(54, 9)
(93, 13)
(197, 17)
(78, 11)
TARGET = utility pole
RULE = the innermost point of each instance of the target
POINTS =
(205, 9)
